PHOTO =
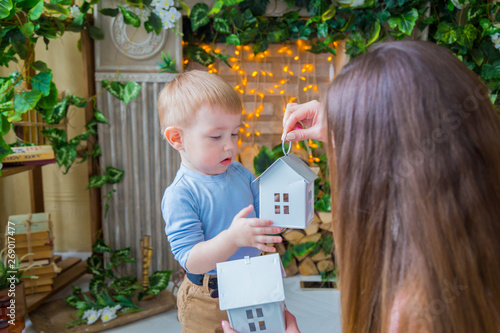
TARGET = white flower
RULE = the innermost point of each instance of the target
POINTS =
(171, 17)
(459, 4)
(108, 314)
(75, 11)
(91, 315)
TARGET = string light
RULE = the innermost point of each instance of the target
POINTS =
(260, 79)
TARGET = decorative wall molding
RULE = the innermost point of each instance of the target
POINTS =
(139, 77)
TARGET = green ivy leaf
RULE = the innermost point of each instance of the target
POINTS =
(41, 81)
(233, 40)
(28, 29)
(97, 181)
(131, 91)
(96, 284)
(263, 160)
(222, 25)
(65, 156)
(327, 245)
(217, 7)
(115, 175)
(96, 33)
(158, 282)
(26, 100)
(199, 16)
(100, 117)
(129, 17)
(113, 12)
(5, 149)
(49, 101)
(20, 49)
(100, 246)
(467, 35)
(79, 102)
(57, 8)
(56, 136)
(155, 22)
(40, 66)
(375, 33)
(302, 249)
(256, 7)
(58, 113)
(201, 56)
(114, 88)
(286, 258)
(329, 13)
(5, 8)
(405, 22)
(4, 125)
(322, 29)
(260, 45)
(446, 33)
(277, 36)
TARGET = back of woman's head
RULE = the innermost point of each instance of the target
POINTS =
(418, 191)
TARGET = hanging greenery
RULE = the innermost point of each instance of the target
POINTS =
(468, 28)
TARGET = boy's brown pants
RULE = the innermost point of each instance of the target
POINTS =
(197, 311)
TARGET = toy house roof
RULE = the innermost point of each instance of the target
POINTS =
(294, 163)
(250, 281)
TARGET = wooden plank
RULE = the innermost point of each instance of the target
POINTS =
(67, 263)
(87, 44)
(12, 170)
(62, 280)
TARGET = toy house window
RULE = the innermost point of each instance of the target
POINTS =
(249, 314)
(286, 210)
(276, 197)
(285, 197)
(276, 209)
(259, 312)
(262, 325)
(252, 327)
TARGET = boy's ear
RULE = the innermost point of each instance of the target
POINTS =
(174, 137)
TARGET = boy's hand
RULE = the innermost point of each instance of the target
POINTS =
(253, 231)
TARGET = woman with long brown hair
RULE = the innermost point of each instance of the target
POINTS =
(414, 146)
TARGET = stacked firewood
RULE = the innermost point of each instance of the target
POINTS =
(308, 259)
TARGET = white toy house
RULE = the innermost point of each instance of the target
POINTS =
(251, 291)
(287, 193)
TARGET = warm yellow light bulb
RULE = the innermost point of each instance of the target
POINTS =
(246, 48)
(309, 86)
(282, 92)
(247, 135)
(257, 133)
(246, 124)
(236, 52)
(254, 73)
(296, 58)
(233, 59)
(330, 58)
(241, 130)
(297, 146)
(290, 72)
(315, 88)
(241, 72)
(261, 95)
(305, 89)
(289, 52)
(252, 91)
(282, 81)
(285, 69)
(217, 50)
(303, 78)
(271, 91)
(240, 142)
(292, 99)
(250, 115)
(270, 74)
(244, 81)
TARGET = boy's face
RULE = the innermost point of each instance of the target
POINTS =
(210, 144)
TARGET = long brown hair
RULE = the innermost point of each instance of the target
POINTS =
(417, 192)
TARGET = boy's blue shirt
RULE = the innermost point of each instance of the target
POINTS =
(198, 207)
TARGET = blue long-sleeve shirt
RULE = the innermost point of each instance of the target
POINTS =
(198, 207)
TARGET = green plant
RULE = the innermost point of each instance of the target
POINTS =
(107, 290)
(11, 271)
(468, 28)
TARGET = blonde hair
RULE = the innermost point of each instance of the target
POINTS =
(180, 99)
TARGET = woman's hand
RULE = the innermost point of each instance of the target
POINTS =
(311, 114)
(290, 323)
(253, 232)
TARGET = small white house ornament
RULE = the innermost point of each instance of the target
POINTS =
(286, 193)
(251, 291)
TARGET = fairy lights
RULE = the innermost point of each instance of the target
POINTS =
(267, 81)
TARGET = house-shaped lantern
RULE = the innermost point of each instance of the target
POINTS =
(251, 291)
(287, 193)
